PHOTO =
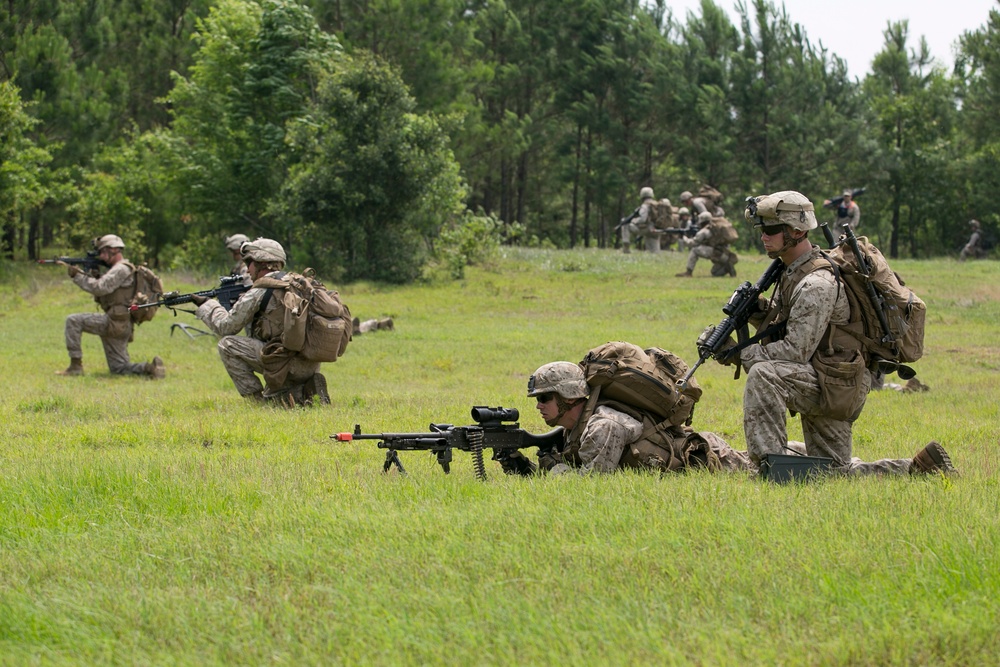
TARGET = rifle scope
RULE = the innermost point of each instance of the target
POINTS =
(482, 414)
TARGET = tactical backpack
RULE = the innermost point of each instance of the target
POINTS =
(710, 193)
(643, 384)
(723, 232)
(317, 325)
(905, 311)
(643, 379)
(661, 214)
(148, 289)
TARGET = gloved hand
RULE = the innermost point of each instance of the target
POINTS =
(71, 270)
(516, 463)
(198, 300)
(726, 355)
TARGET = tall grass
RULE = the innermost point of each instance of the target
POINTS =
(170, 523)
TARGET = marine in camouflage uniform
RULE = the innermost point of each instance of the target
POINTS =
(113, 292)
(640, 222)
(243, 356)
(782, 368)
(849, 212)
(234, 245)
(973, 248)
(704, 245)
(596, 443)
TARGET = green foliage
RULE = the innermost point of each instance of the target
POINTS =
(375, 179)
(22, 179)
(217, 532)
(472, 240)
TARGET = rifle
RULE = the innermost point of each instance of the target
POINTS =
(835, 202)
(228, 291)
(740, 307)
(624, 221)
(688, 232)
(90, 264)
(489, 431)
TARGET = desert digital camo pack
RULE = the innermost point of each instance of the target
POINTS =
(723, 231)
(148, 289)
(316, 324)
(643, 379)
(643, 384)
(905, 311)
(661, 214)
(710, 193)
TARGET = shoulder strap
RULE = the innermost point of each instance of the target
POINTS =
(267, 298)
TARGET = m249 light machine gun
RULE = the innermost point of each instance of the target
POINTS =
(492, 430)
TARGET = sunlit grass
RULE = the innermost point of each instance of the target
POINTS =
(171, 523)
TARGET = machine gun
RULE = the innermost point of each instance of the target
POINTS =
(229, 290)
(835, 202)
(90, 264)
(490, 431)
(740, 307)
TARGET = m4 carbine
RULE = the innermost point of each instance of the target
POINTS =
(90, 264)
(742, 305)
(229, 290)
(489, 432)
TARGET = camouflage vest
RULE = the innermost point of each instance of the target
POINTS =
(121, 296)
(840, 360)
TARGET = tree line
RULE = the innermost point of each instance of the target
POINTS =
(369, 135)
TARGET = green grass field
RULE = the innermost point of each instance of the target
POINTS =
(168, 522)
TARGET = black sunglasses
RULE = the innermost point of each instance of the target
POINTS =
(771, 230)
(544, 398)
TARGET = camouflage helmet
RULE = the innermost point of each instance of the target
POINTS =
(683, 210)
(263, 250)
(236, 241)
(561, 377)
(646, 193)
(109, 241)
(781, 208)
(973, 223)
(704, 218)
(686, 195)
(848, 193)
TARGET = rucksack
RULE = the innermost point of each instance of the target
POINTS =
(148, 289)
(723, 231)
(642, 379)
(317, 324)
(708, 192)
(661, 214)
(905, 311)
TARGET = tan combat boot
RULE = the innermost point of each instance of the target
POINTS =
(686, 274)
(931, 459)
(316, 386)
(627, 248)
(75, 367)
(155, 369)
(386, 324)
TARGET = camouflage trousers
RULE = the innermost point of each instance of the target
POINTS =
(773, 388)
(630, 231)
(115, 348)
(241, 358)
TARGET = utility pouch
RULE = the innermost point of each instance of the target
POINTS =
(843, 384)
